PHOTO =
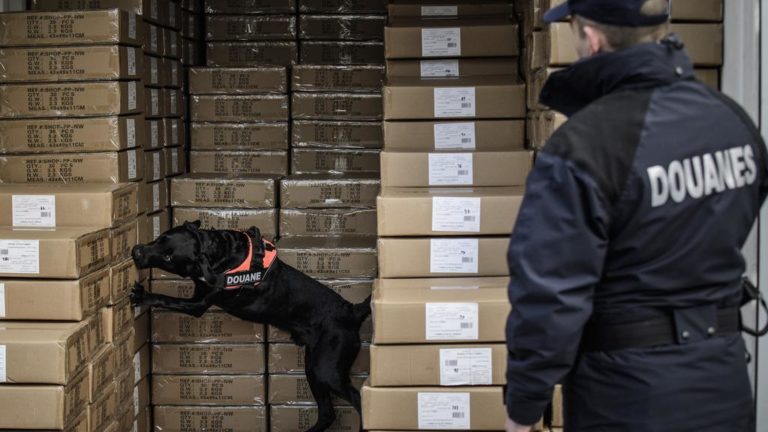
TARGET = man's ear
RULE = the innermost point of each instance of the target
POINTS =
(596, 41)
(192, 226)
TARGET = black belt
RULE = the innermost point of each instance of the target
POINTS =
(680, 326)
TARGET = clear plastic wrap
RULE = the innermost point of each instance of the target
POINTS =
(71, 99)
(333, 134)
(235, 164)
(294, 389)
(292, 418)
(230, 219)
(212, 191)
(334, 161)
(111, 167)
(208, 389)
(475, 135)
(91, 63)
(342, 27)
(331, 257)
(342, 53)
(209, 359)
(324, 222)
(329, 191)
(238, 136)
(343, 6)
(285, 358)
(231, 418)
(334, 78)
(249, 6)
(458, 8)
(213, 326)
(90, 27)
(250, 27)
(251, 108)
(250, 54)
(232, 81)
(337, 106)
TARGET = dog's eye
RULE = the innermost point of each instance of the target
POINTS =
(167, 258)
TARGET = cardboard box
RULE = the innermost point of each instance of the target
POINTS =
(289, 418)
(468, 37)
(331, 257)
(142, 365)
(70, 28)
(231, 418)
(137, 406)
(331, 78)
(214, 326)
(101, 372)
(325, 222)
(208, 390)
(124, 382)
(342, 27)
(703, 42)
(122, 276)
(411, 408)
(47, 206)
(456, 310)
(239, 136)
(336, 106)
(554, 47)
(250, 28)
(108, 167)
(487, 168)
(109, 62)
(154, 165)
(710, 77)
(71, 99)
(332, 161)
(53, 300)
(154, 225)
(289, 359)
(265, 79)
(541, 126)
(697, 10)
(294, 389)
(124, 362)
(54, 407)
(491, 97)
(236, 164)
(247, 6)
(154, 43)
(65, 135)
(174, 288)
(230, 219)
(154, 196)
(483, 135)
(117, 319)
(435, 257)
(250, 54)
(97, 336)
(175, 106)
(210, 191)
(103, 410)
(154, 73)
(154, 102)
(208, 359)
(63, 253)
(139, 7)
(276, 335)
(329, 191)
(458, 67)
(536, 81)
(342, 6)
(225, 108)
(336, 134)
(454, 8)
(438, 365)
(341, 53)
(448, 211)
(158, 136)
(175, 131)
(123, 239)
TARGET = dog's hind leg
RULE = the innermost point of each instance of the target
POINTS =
(321, 392)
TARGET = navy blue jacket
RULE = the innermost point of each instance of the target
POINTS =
(640, 203)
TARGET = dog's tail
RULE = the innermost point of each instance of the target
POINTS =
(362, 310)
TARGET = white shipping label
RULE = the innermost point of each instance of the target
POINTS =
(456, 214)
(135, 426)
(453, 255)
(132, 25)
(153, 38)
(34, 211)
(443, 411)
(175, 161)
(2, 300)
(441, 42)
(155, 133)
(156, 166)
(450, 169)
(455, 102)
(455, 136)
(466, 366)
(130, 126)
(156, 196)
(136, 401)
(172, 14)
(451, 321)
(20, 256)
(154, 97)
(174, 101)
(174, 132)
(132, 95)
(154, 71)
(137, 368)
(3, 375)
(432, 11)
(156, 226)
(439, 68)
(154, 9)
(131, 61)
(132, 164)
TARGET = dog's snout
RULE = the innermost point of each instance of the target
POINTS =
(139, 255)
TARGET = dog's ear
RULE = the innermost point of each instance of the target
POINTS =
(192, 226)
(207, 272)
(255, 232)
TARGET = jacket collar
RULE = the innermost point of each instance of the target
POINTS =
(642, 66)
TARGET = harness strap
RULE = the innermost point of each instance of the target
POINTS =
(250, 273)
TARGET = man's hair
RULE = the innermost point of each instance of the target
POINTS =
(620, 37)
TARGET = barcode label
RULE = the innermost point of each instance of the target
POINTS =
(3, 251)
(452, 102)
(132, 25)
(38, 211)
(458, 415)
(453, 255)
(451, 362)
(467, 260)
(450, 169)
(131, 61)
(470, 218)
(451, 321)
(132, 168)
(441, 42)
(130, 126)
(466, 366)
(444, 410)
(132, 95)
(463, 172)
(454, 135)
(467, 325)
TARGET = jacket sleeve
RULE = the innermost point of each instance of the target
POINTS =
(555, 259)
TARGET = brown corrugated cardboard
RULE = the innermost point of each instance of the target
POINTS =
(541, 125)
(555, 47)
(211, 191)
(438, 365)
(225, 108)
(341, 53)
(124, 382)
(293, 389)
(237, 80)
(142, 366)
(342, 27)
(212, 327)
(154, 225)
(453, 8)
(117, 319)
(70, 28)
(139, 7)
(54, 407)
(468, 37)
(209, 359)
(154, 73)
(332, 161)
(458, 67)
(239, 136)
(154, 195)
(63, 253)
(96, 333)
(492, 97)
(435, 257)
(703, 42)
(175, 288)
(486, 168)
(336, 106)
(245, 7)
(154, 102)
(122, 276)
(208, 390)
(230, 219)
(337, 78)
(141, 328)
(55, 300)
(710, 77)
(411, 408)
(231, 418)
(70, 63)
(331, 257)
(103, 410)
(536, 81)
(158, 136)
(324, 222)
(137, 406)
(175, 132)
(154, 165)
(336, 134)
(62, 135)
(153, 40)
(101, 372)
(440, 310)
(481, 135)
(250, 28)
(448, 211)
(111, 167)
(285, 358)
(276, 335)
(233, 163)
(697, 10)
(290, 418)
(329, 191)
(71, 99)
(47, 206)
(343, 6)
(123, 239)
(174, 103)
(250, 54)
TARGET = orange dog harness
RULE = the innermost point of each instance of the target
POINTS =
(250, 273)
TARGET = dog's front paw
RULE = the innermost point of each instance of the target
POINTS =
(138, 295)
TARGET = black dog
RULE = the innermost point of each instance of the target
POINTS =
(317, 318)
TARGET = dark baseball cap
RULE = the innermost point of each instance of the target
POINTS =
(624, 13)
